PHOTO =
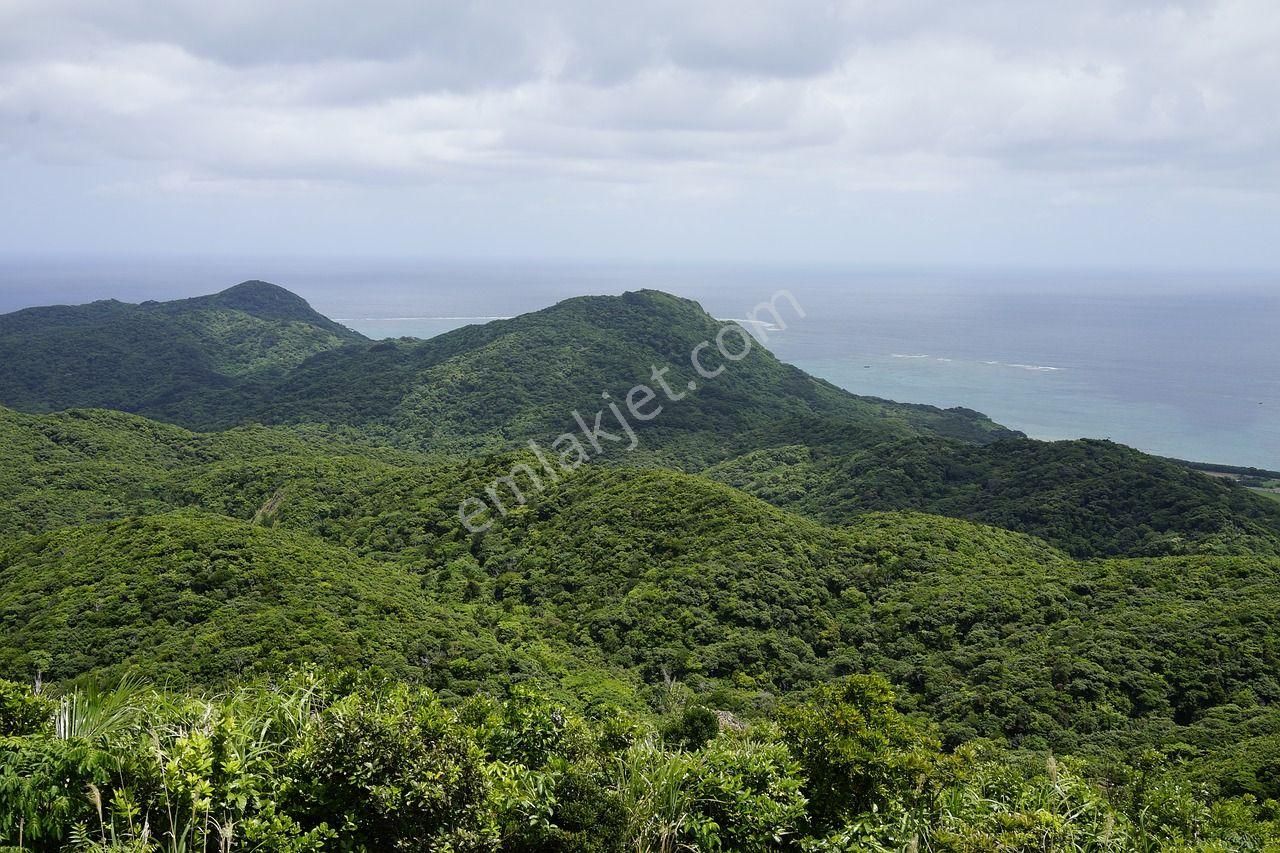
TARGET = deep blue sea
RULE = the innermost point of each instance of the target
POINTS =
(1183, 364)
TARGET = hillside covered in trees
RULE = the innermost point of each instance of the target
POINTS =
(241, 611)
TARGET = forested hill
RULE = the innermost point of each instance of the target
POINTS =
(148, 358)
(498, 385)
(258, 354)
(1088, 497)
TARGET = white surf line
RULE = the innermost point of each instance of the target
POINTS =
(1036, 367)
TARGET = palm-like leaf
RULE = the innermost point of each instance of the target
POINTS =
(91, 713)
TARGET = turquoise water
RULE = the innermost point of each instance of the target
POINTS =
(1183, 365)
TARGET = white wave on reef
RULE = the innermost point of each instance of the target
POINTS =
(1038, 367)
(1042, 368)
(923, 355)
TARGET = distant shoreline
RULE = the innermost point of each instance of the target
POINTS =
(1260, 480)
(1236, 471)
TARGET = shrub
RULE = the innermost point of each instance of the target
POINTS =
(388, 772)
(857, 752)
(23, 712)
(692, 728)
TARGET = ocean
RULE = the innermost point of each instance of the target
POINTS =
(1184, 365)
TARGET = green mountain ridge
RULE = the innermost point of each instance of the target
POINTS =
(492, 385)
(148, 358)
(1090, 497)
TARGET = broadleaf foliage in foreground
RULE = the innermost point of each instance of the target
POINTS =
(327, 763)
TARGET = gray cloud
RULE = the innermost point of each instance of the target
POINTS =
(710, 99)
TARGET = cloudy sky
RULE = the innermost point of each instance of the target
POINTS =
(1094, 132)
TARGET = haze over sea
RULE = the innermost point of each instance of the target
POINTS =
(1179, 364)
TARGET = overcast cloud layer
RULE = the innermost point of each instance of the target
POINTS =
(1027, 132)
